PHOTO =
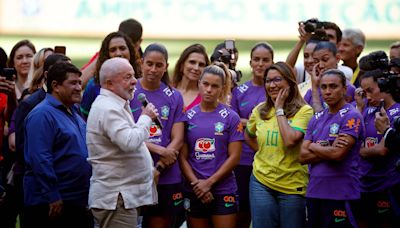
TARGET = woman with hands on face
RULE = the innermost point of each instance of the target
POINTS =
(325, 57)
(212, 148)
(275, 130)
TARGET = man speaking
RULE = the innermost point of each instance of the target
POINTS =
(122, 179)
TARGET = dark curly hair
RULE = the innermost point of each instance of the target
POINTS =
(134, 58)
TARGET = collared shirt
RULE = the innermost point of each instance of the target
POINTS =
(55, 154)
(121, 162)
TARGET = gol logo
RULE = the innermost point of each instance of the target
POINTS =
(229, 199)
(339, 213)
(205, 145)
(383, 204)
(177, 196)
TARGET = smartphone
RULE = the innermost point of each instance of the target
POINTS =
(229, 44)
(381, 105)
(60, 49)
(8, 73)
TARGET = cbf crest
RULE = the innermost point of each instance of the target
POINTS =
(333, 130)
(164, 112)
(219, 128)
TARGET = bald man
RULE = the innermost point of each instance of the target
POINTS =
(122, 179)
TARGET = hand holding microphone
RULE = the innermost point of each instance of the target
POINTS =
(150, 110)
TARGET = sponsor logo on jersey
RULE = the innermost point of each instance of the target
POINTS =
(204, 148)
(383, 206)
(243, 103)
(318, 114)
(190, 114)
(393, 111)
(224, 113)
(219, 128)
(243, 88)
(340, 215)
(191, 126)
(229, 201)
(343, 111)
(155, 130)
(370, 142)
(333, 130)
(177, 198)
(164, 112)
(168, 91)
(135, 109)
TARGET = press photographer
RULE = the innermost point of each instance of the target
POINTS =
(228, 54)
(385, 71)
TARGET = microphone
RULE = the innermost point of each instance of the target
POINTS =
(142, 98)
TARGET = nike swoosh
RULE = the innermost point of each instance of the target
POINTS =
(229, 204)
(178, 202)
(243, 103)
(381, 211)
(339, 219)
(135, 109)
(191, 127)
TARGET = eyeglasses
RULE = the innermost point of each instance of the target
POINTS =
(276, 81)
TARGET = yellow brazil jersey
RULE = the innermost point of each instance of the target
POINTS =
(275, 165)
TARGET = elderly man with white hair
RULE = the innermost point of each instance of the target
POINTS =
(122, 179)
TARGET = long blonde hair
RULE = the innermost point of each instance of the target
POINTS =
(293, 102)
(35, 75)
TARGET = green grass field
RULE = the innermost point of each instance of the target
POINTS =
(81, 49)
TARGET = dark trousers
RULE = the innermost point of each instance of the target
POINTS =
(13, 204)
(71, 216)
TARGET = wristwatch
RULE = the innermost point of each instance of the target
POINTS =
(280, 112)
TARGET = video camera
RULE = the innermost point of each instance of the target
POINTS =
(311, 25)
(8, 73)
(378, 62)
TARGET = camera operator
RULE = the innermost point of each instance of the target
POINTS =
(310, 33)
(228, 54)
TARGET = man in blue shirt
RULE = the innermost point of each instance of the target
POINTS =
(56, 181)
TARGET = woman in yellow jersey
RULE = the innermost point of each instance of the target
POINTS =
(275, 130)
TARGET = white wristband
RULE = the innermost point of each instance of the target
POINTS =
(279, 112)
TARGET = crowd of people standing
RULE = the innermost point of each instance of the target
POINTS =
(121, 143)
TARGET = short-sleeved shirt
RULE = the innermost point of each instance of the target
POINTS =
(276, 165)
(169, 104)
(378, 173)
(208, 135)
(336, 180)
(244, 98)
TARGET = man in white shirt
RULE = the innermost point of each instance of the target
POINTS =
(122, 179)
